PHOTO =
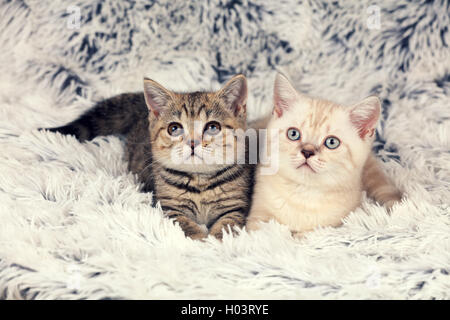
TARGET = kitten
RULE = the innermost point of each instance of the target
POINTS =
(325, 162)
(169, 137)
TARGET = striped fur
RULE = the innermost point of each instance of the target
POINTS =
(203, 198)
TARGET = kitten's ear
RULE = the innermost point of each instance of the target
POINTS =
(364, 116)
(284, 94)
(156, 96)
(234, 93)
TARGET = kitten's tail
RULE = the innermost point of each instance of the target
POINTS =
(378, 186)
(115, 115)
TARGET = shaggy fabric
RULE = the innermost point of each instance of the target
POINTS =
(73, 224)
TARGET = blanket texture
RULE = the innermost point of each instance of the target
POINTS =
(73, 224)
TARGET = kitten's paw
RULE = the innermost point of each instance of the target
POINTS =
(297, 234)
(253, 224)
(389, 203)
(200, 232)
(218, 234)
(197, 236)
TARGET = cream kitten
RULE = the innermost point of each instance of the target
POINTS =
(325, 162)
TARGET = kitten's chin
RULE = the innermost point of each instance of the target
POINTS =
(305, 167)
(303, 175)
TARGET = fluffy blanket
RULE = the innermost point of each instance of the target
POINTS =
(73, 224)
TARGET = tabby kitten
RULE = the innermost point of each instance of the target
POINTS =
(169, 138)
(325, 162)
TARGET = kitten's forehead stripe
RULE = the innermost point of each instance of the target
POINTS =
(183, 106)
(322, 111)
(202, 108)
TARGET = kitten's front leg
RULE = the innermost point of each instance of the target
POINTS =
(190, 227)
(234, 218)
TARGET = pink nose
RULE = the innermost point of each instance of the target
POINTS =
(193, 143)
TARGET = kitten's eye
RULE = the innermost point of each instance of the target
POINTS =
(212, 128)
(293, 134)
(332, 142)
(175, 129)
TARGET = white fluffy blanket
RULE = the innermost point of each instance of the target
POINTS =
(73, 223)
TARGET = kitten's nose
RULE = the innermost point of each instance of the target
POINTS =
(307, 153)
(193, 143)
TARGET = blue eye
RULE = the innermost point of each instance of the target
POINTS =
(293, 134)
(332, 142)
(212, 128)
(175, 129)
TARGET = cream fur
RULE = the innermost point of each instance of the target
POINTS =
(303, 197)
